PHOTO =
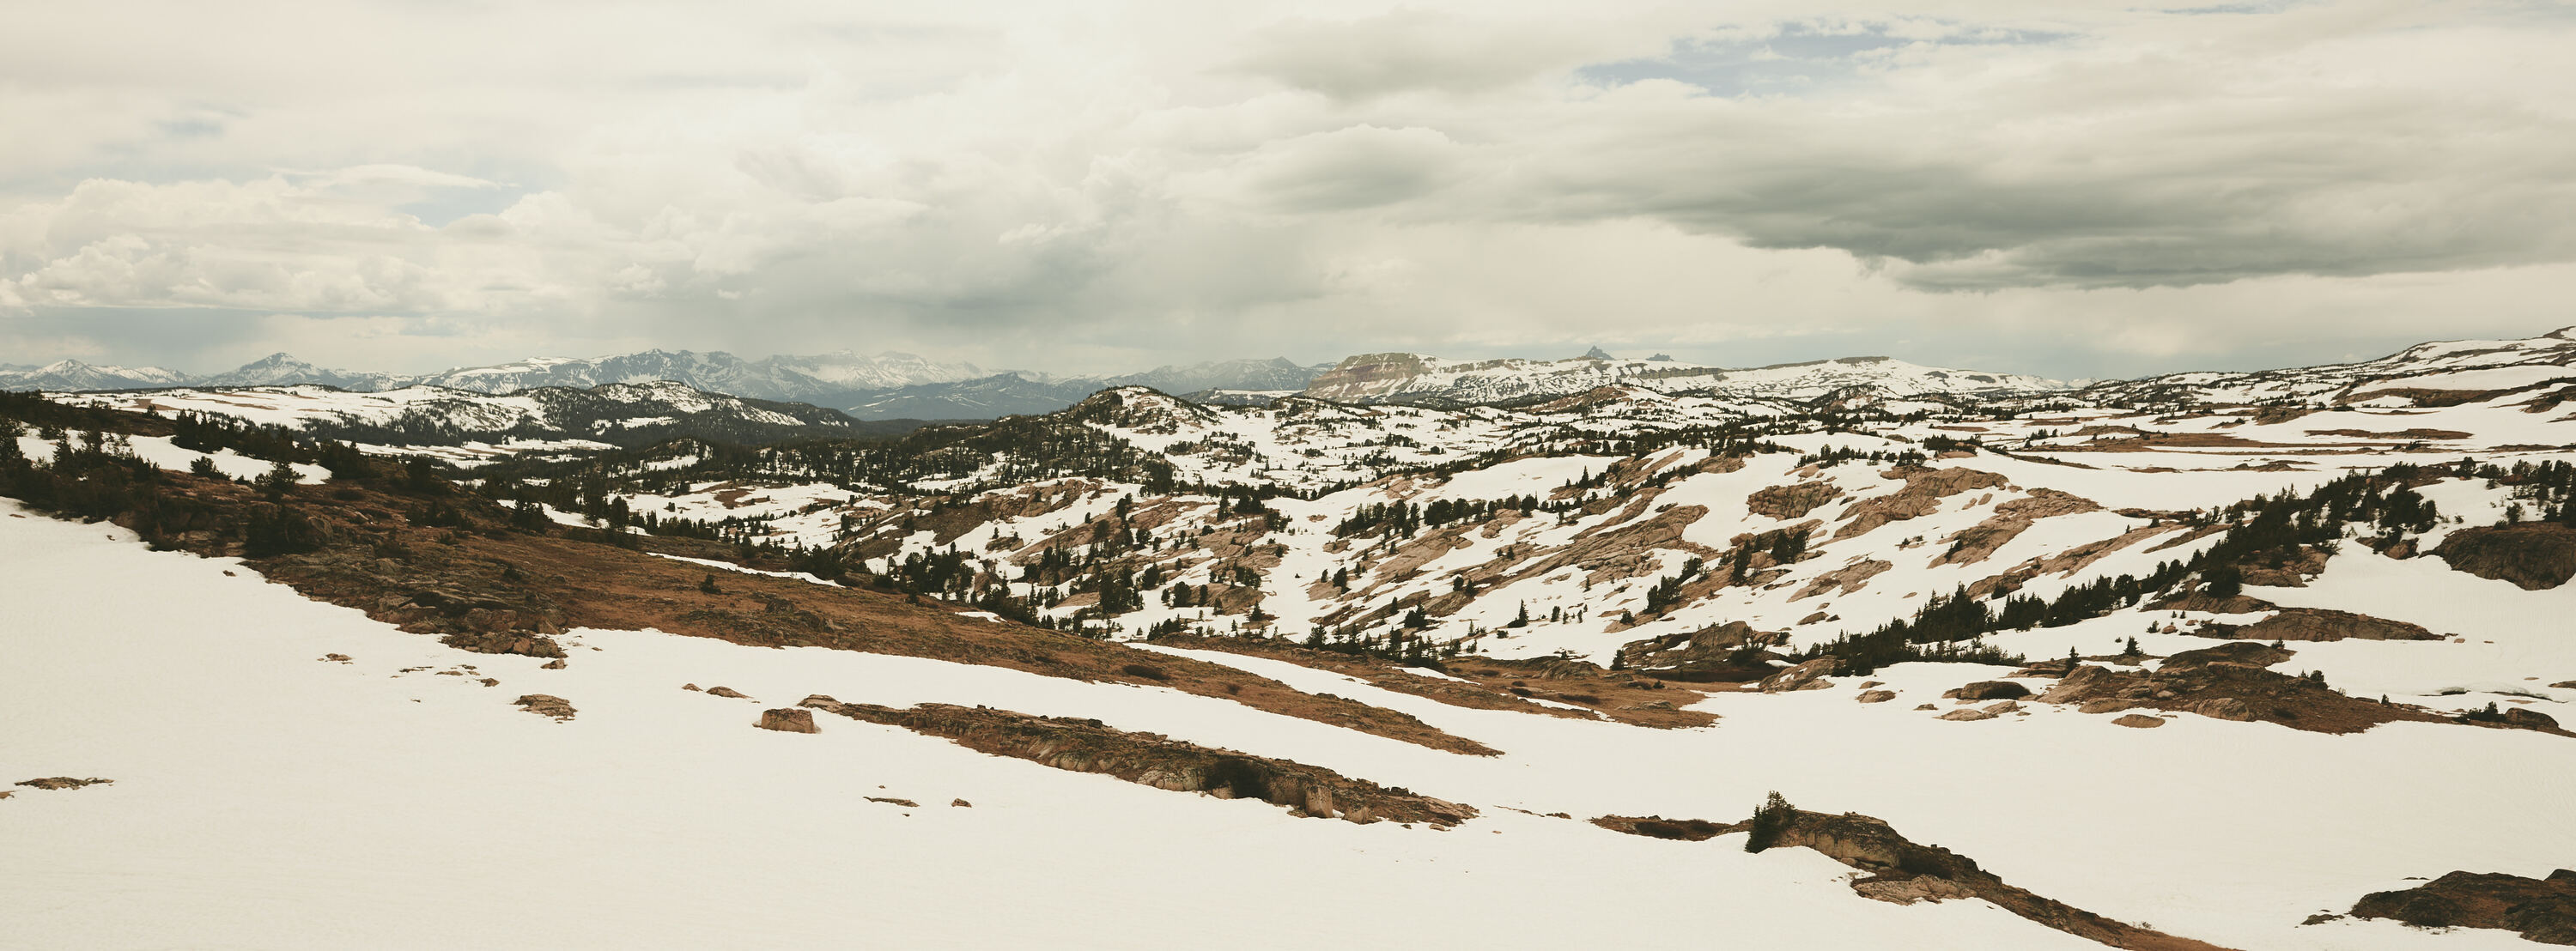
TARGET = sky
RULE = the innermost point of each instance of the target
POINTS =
(2063, 188)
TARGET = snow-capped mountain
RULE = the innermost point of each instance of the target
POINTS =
(1416, 378)
(849, 370)
(75, 375)
(2457, 367)
(279, 369)
(1021, 392)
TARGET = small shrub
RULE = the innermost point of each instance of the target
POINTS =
(1768, 821)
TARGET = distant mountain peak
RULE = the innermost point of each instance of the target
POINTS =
(1597, 353)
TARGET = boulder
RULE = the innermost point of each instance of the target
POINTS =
(726, 692)
(1806, 676)
(1968, 713)
(1877, 696)
(546, 705)
(2141, 721)
(1990, 690)
(788, 720)
(63, 782)
(2529, 719)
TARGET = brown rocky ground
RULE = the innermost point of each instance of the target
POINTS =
(2318, 624)
(1088, 746)
(2542, 910)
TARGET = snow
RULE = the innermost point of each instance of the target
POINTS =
(264, 799)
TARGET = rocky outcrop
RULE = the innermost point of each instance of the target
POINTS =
(1989, 690)
(1720, 652)
(2228, 682)
(722, 691)
(1979, 542)
(1900, 871)
(2319, 624)
(546, 705)
(1792, 502)
(1088, 746)
(63, 782)
(788, 720)
(1809, 675)
(1876, 696)
(1924, 489)
(2532, 555)
(2542, 910)
(1843, 580)
(2140, 721)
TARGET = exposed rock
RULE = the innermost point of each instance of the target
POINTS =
(961, 804)
(2228, 682)
(1968, 713)
(546, 705)
(2318, 624)
(2529, 719)
(1979, 542)
(1791, 502)
(1924, 489)
(524, 643)
(63, 782)
(1658, 827)
(338, 658)
(2532, 555)
(689, 686)
(894, 802)
(2140, 720)
(788, 720)
(1843, 580)
(1989, 690)
(1088, 746)
(1877, 696)
(1809, 675)
(1900, 871)
(2541, 910)
(556, 664)
(1720, 652)
(726, 692)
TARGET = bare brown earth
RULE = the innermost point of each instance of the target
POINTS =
(1491, 683)
(483, 587)
(2532, 555)
(1150, 759)
(2541, 910)
(1900, 871)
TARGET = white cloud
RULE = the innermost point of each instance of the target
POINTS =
(1086, 187)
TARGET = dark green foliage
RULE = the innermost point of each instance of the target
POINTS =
(1769, 819)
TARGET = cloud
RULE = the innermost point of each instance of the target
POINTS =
(1085, 188)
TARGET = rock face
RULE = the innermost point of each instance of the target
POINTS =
(2541, 910)
(546, 705)
(788, 720)
(1088, 746)
(2532, 555)
(1805, 676)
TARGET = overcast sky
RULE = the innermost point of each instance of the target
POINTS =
(2061, 188)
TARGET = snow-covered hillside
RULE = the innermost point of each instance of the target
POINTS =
(1408, 377)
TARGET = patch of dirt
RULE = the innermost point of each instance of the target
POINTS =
(2541, 910)
(1088, 746)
